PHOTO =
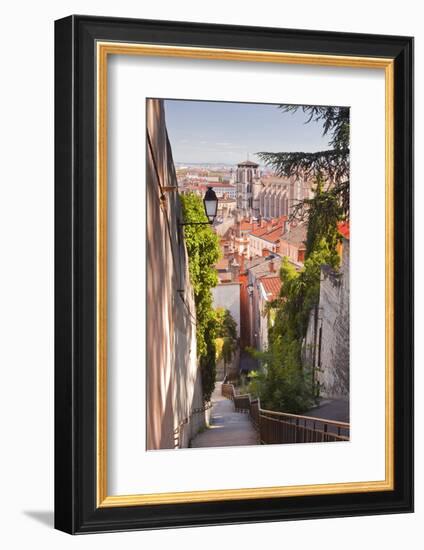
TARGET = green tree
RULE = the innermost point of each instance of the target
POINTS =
(283, 384)
(203, 253)
(207, 359)
(333, 162)
(227, 326)
(227, 332)
(324, 214)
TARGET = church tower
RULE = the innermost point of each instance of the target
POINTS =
(248, 184)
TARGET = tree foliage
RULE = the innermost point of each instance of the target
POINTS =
(324, 214)
(207, 359)
(203, 252)
(227, 332)
(332, 162)
(227, 326)
(283, 384)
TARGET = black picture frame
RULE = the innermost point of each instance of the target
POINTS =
(76, 510)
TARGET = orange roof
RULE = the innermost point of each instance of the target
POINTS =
(344, 229)
(245, 225)
(272, 286)
(274, 235)
(271, 231)
(259, 231)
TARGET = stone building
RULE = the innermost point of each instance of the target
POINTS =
(268, 291)
(174, 388)
(248, 185)
(265, 236)
(259, 269)
(277, 195)
(292, 242)
(326, 346)
(238, 236)
(267, 196)
(224, 190)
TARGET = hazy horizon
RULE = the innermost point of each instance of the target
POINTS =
(215, 132)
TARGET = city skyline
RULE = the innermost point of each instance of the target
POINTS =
(228, 132)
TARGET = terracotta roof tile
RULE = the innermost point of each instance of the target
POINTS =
(245, 226)
(271, 231)
(344, 229)
(272, 286)
(259, 231)
(273, 236)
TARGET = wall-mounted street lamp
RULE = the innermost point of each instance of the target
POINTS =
(210, 203)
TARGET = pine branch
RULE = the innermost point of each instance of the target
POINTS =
(332, 164)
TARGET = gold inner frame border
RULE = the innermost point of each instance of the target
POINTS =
(103, 50)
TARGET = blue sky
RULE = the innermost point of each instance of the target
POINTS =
(209, 132)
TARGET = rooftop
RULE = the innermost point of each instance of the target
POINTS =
(222, 264)
(344, 229)
(296, 234)
(248, 163)
(274, 235)
(263, 268)
(259, 231)
(221, 184)
(270, 229)
(271, 286)
(269, 180)
(245, 225)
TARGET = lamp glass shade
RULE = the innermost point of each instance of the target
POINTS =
(210, 202)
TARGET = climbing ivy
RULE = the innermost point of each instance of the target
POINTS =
(283, 384)
(203, 253)
(334, 162)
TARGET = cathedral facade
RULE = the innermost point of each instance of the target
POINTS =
(267, 197)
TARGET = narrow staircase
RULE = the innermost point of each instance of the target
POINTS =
(227, 427)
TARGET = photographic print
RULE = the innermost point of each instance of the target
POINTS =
(248, 280)
(207, 315)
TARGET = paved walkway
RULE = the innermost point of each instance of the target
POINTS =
(227, 428)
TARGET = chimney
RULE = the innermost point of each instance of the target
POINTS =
(271, 266)
(235, 270)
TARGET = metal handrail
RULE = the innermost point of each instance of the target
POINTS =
(306, 428)
(313, 418)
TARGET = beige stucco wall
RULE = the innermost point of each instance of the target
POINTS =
(173, 378)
